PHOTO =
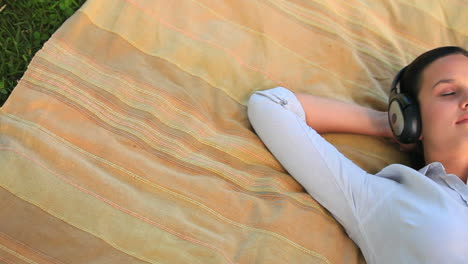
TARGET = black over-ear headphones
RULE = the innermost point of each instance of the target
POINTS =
(403, 113)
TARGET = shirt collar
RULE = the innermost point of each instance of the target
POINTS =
(435, 170)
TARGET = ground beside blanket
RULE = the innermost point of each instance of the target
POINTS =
(24, 27)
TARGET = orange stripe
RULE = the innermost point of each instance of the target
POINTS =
(206, 208)
(57, 83)
(281, 46)
(33, 254)
(168, 148)
(120, 208)
(6, 261)
(218, 169)
(187, 34)
(251, 151)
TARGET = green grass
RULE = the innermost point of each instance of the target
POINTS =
(24, 27)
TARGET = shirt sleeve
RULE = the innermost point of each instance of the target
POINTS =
(338, 184)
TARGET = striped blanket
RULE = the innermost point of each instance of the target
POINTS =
(127, 140)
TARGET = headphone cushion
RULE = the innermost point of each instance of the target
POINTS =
(404, 118)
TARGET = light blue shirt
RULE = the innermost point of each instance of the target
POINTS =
(399, 215)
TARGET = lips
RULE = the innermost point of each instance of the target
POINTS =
(462, 120)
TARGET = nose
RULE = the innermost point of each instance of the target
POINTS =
(464, 101)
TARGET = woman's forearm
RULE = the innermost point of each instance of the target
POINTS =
(328, 115)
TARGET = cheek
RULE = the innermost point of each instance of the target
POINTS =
(436, 114)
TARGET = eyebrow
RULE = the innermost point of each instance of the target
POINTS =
(443, 81)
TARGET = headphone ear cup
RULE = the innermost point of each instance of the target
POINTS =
(404, 118)
(396, 117)
(413, 125)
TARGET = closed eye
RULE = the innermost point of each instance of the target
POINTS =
(447, 94)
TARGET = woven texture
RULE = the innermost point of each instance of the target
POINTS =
(127, 139)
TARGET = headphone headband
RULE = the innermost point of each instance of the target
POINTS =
(396, 81)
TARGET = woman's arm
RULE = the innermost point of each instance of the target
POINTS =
(345, 189)
(327, 115)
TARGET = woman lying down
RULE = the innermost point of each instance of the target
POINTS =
(399, 215)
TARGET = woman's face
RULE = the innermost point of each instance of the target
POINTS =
(443, 103)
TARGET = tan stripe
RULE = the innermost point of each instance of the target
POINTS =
(209, 5)
(235, 171)
(116, 222)
(34, 239)
(222, 205)
(220, 65)
(217, 50)
(147, 201)
(450, 14)
(250, 178)
(9, 256)
(162, 142)
(342, 29)
(171, 110)
(9, 259)
(250, 174)
(160, 89)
